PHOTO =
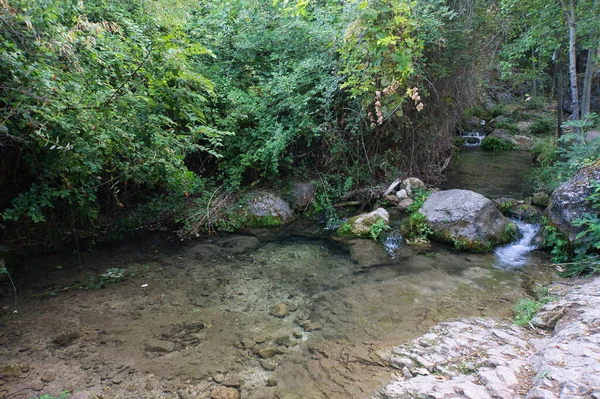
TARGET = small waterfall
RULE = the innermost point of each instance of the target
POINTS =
(515, 254)
(393, 240)
(472, 139)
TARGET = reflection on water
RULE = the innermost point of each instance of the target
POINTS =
(493, 174)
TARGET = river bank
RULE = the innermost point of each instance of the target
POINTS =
(484, 358)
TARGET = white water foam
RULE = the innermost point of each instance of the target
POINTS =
(516, 254)
(472, 139)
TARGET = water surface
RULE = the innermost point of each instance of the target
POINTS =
(493, 174)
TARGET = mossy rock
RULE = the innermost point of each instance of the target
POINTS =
(360, 226)
(266, 209)
(541, 199)
(467, 220)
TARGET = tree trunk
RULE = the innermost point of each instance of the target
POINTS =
(589, 68)
(570, 15)
(587, 84)
(559, 94)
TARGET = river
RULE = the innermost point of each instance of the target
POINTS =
(288, 313)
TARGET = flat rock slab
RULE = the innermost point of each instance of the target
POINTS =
(453, 360)
(483, 358)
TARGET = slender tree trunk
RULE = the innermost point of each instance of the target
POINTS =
(589, 68)
(534, 91)
(570, 15)
(559, 94)
(587, 84)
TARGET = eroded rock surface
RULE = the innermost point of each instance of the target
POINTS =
(482, 358)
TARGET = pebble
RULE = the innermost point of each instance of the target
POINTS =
(310, 326)
(155, 345)
(284, 340)
(281, 310)
(268, 364)
(49, 376)
(225, 393)
(267, 353)
(81, 395)
(37, 386)
(219, 378)
(234, 381)
(247, 343)
(271, 382)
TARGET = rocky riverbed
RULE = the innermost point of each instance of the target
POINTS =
(270, 317)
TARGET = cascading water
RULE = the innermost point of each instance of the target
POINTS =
(472, 139)
(515, 254)
(393, 240)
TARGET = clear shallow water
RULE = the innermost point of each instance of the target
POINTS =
(493, 174)
(229, 285)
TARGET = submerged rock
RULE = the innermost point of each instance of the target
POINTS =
(568, 202)
(268, 209)
(225, 393)
(281, 310)
(466, 219)
(155, 345)
(360, 226)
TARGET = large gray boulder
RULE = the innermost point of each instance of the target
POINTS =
(568, 202)
(268, 209)
(466, 219)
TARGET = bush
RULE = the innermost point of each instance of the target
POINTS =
(543, 126)
(509, 125)
(500, 109)
(534, 103)
(496, 144)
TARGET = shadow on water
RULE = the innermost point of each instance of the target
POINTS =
(493, 174)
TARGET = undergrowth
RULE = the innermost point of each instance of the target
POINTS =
(525, 309)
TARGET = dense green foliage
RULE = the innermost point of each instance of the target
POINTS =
(113, 113)
(102, 103)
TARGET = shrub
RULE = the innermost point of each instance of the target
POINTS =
(509, 125)
(496, 144)
(377, 228)
(525, 309)
(542, 126)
